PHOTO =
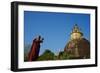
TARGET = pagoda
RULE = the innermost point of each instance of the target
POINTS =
(78, 46)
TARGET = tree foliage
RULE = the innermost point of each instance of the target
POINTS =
(64, 55)
(47, 55)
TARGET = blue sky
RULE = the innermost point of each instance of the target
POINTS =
(54, 27)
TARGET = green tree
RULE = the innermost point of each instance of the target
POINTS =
(63, 55)
(47, 55)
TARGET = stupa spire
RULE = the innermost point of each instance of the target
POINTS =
(76, 28)
(76, 33)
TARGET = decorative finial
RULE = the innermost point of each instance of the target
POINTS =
(76, 33)
(76, 28)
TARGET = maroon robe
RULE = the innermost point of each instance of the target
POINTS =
(35, 48)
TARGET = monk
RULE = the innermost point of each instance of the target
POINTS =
(35, 48)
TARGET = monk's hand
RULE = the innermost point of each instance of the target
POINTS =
(42, 39)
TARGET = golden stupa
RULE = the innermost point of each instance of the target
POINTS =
(78, 46)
